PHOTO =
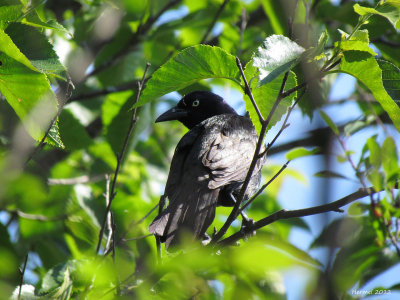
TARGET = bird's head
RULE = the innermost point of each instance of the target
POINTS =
(196, 107)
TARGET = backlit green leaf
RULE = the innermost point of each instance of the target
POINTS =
(389, 9)
(187, 67)
(389, 158)
(375, 157)
(301, 152)
(329, 122)
(363, 66)
(266, 95)
(391, 79)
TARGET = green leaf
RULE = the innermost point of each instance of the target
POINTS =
(389, 9)
(357, 209)
(34, 20)
(54, 138)
(116, 117)
(390, 79)
(187, 67)
(329, 122)
(376, 178)
(375, 157)
(301, 152)
(317, 52)
(343, 229)
(266, 95)
(37, 49)
(355, 45)
(363, 66)
(29, 94)
(8, 47)
(72, 132)
(9, 13)
(275, 15)
(277, 55)
(57, 283)
(330, 174)
(389, 158)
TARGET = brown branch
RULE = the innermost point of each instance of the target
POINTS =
(22, 274)
(124, 87)
(119, 159)
(248, 92)
(284, 124)
(242, 27)
(75, 180)
(212, 24)
(264, 186)
(289, 214)
(135, 223)
(109, 223)
(34, 217)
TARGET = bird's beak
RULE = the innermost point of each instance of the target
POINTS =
(174, 113)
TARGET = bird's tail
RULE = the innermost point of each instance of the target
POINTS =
(192, 216)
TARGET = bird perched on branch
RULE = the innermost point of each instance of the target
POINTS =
(209, 165)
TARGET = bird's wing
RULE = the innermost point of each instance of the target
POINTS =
(191, 203)
(230, 154)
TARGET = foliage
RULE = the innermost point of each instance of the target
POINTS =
(74, 83)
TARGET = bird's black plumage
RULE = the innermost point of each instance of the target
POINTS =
(209, 165)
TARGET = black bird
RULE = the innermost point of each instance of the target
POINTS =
(209, 165)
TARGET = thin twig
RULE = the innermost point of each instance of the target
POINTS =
(278, 100)
(291, 20)
(248, 91)
(109, 223)
(243, 25)
(135, 223)
(264, 186)
(75, 180)
(216, 17)
(284, 124)
(22, 274)
(289, 214)
(35, 217)
(120, 157)
(319, 75)
(42, 141)
(264, 126)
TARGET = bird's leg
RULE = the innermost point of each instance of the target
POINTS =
(246, 221)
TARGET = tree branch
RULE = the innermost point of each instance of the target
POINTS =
(264, 126)
(119, 158)
(217, 15)
(264, 186)
(248, 92)
(284, 124)
(22, 274)
(288, 214)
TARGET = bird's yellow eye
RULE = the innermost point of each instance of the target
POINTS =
(195, 103)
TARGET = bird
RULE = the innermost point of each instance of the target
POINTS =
(208, 168)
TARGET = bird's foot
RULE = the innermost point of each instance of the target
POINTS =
(247, 225)
(206, 239)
